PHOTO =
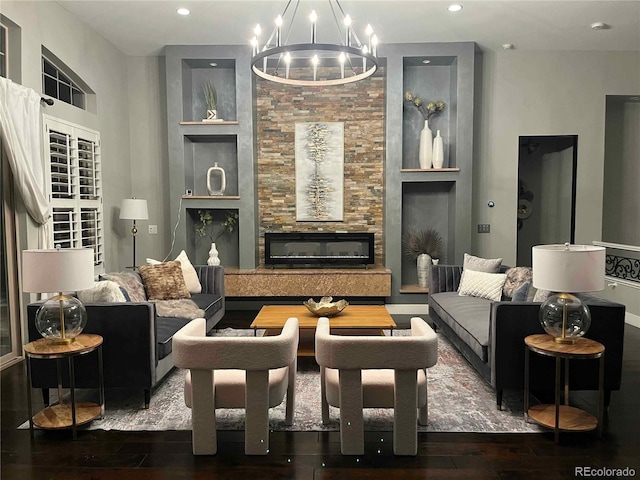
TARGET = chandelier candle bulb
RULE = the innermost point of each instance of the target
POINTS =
(365, 50)
(374, 45)
(347, 31)
(278, 30)
(369, 32)
(256, 31)
(313, 17)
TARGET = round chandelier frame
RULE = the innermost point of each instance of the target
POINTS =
(273, 61)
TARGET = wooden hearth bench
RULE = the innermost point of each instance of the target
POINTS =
(308, 282)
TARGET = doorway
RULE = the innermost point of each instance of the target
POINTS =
(546, 192)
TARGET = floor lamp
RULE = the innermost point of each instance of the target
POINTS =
(134, 209)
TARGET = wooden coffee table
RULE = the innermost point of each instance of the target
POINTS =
(353, 320)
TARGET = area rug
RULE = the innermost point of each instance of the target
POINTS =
(459, 401)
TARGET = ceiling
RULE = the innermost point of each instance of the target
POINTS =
(143, 27)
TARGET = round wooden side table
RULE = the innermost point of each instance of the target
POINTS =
(557, 416)
(65, 415)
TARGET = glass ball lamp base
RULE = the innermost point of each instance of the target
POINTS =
(565, 318)
(61, 319)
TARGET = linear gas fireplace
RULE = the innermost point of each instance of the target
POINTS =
(319, 249)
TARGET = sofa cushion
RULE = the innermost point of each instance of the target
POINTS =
(468, 317)
(105, 291)
(521, 293)
(482, 284)
(164, 281)
(209, 302)
(130, 281)
(167, 327)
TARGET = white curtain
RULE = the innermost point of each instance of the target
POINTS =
(21, 137)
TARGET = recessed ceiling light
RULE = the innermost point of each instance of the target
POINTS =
(508, 46)
(426, 61)
(455, 7)
(600, 26)
(634, 99)
(213, 64)
(183, 11)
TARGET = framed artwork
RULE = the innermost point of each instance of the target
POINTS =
(319, 172)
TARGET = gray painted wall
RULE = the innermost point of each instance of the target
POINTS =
(104, 68)
(542, 93)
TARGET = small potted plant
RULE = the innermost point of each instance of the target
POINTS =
(211, 100)
(205, 228)
(423, 246)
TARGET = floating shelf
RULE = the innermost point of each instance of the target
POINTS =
(448, 169)
(221, 122)
(212, 197)
(413, 289)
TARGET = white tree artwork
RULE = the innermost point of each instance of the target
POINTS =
(319, 172)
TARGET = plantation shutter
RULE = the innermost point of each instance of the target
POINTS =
(75, 186)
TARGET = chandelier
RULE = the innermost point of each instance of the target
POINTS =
(347, 61)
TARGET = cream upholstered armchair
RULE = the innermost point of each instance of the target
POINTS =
(253, 373)
(359, 372)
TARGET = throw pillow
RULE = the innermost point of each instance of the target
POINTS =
(188, 272)
(489, 265)
(106, 291)
(516, 276)
(130, 281)
(482, 285)
(164, 281)
(520, 294)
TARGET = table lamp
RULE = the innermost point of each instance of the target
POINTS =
(563, 269)
(134, 209)
(62, 317)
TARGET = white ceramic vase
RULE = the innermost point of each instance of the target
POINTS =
(222, 182)
(435, 261)
(438, 151)
(213, 259)
(425, 153)
(424, 266)
(212, 115)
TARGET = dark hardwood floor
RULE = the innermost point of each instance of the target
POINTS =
(101, 455)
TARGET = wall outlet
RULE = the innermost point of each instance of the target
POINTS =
(484, 228)
(153, 229)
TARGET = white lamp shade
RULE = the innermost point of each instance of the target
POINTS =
(134, 209)
(63, 270)
(568, 268)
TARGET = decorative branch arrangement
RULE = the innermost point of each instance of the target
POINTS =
(423, 241)
(205, 227)
(427, 110)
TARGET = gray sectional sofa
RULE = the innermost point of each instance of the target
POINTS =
(490, 335)
(137, 347)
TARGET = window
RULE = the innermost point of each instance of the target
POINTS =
(58, 85)
(3, 51)
(75, 186)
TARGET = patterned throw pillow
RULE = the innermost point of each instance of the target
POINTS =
(516, 276)
(106, 291)
(164, 281)
(188, 272)
(542, 295)
(482, 285)
(520, 294)
(130, 281)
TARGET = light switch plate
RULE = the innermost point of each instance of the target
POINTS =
(153, 229)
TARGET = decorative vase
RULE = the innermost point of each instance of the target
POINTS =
(219, 172)
(212, 115)
(424, 266)
(438, 151)
(425, 153)
(213, 259)
(435, 261)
